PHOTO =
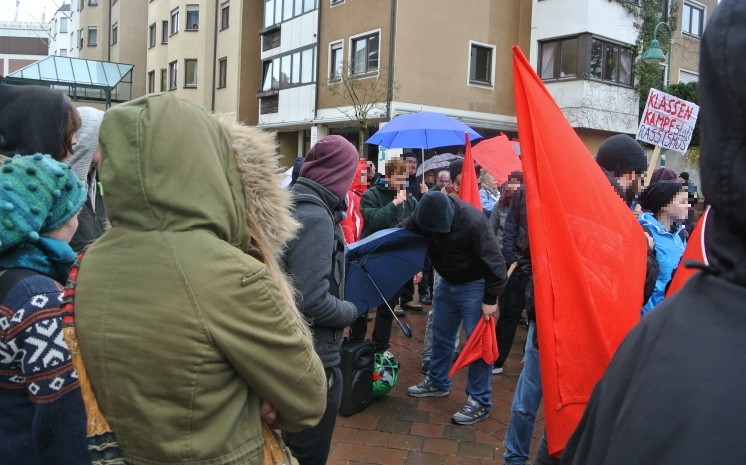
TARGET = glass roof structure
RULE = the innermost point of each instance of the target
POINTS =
(80, 79)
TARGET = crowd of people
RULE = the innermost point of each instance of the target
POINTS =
(209, 307)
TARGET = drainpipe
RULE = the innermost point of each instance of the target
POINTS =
(215, 56)
(108, 34)
(390, 90)
(318, 47)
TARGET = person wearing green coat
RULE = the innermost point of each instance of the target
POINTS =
(187, 326)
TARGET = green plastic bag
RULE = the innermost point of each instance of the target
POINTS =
(385, 373)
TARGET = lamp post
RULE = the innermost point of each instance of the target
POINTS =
(654, 54)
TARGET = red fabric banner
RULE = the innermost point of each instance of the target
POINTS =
(694, 251)
(482, 344)
(498, 157)
(469, 188)
(587, 251)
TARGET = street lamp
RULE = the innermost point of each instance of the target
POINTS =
(654, 54)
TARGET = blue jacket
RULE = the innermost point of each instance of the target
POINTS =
(669, 247)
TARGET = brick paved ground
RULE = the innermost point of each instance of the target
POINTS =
(401, 430)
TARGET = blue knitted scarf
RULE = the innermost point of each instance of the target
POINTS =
(48, 256)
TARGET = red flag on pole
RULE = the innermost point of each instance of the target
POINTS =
(587, 250)
(469, 188)
(498, 157)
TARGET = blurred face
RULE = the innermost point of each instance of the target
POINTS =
(396, 182)
(678, 209)
(411, 165)
(443, 179)
(430, 177)
(513, 184)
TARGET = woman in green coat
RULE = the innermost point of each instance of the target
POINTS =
(186, 324)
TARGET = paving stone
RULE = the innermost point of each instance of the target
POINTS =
(406, 441)
(348, 451)
(476, 449)
(371, 438)
(387, 456)
(344, 434)
(427, 429)
(361, 421)
(459, 433)
(406, 414)
(423, 458)
(394, 426)
(440, 446)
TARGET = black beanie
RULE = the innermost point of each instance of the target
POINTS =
(435, 212)
(621, 154)
(684, 175)
(659, 194)
(455, 168)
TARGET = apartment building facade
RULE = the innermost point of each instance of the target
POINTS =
(62, 30)
(114, 30)
(21, 44)
(206, 52)
(688, 19)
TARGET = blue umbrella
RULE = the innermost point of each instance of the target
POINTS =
(422, 131)
(380, 265)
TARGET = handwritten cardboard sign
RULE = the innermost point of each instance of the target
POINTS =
(668, 121)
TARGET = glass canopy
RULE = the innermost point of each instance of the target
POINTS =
(80, 79)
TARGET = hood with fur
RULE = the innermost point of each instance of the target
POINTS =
(723, 137)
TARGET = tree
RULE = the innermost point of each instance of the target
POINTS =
(364, 95)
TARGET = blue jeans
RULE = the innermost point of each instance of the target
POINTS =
(526, 402)
(457, 303)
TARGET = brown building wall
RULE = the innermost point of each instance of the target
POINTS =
(249, 78)
(24, 45)
(15, 65)
(685, 47)
(432, 51)
(339, 23)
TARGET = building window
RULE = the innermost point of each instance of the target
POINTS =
(270, 105)
(93, 2)
(192, 17)
(691, 19)
(63, 24)
(606, 61)
(151, 36)
(336, 61)
(687, 76)
(559, 59)
(164, 80)
(225, 10)
(289, 70)
(92, 36)
(190, 76)
(610, 62)
(277, 11)
(336, 2)
(114, 33)
(63, 53)
(271, 40)
(80, 39)
(175, 21)
(72, 41)
(365, 54)
(222, 72)
(173, 69)
(480, 64)
(151, 82)
(164, 33)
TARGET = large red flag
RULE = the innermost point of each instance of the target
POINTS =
(469, 189)
(498, 157)
(481, 345)
(695, 250)
(587, 250)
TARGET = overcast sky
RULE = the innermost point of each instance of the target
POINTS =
(29, 10)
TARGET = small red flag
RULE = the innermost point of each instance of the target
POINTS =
(482, 344)
(469, 188)
(498, 157)
(588, 255)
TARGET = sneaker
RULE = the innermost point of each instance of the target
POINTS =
(497, 368)
(470, 413)
(412, 305)
(399, 312)
(426, 389)
(426, 300)
(425, 367)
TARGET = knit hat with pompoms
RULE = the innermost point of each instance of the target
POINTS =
(37, 195)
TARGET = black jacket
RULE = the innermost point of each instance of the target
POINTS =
(652, 269)
(315, 261)
(92, 221)
(469, 252)
(516, 246)
(673, 393)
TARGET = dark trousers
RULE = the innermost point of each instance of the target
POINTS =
(511, 304)
(542, 453)
(381, 328)
(311, 446)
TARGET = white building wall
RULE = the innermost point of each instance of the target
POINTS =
(66, 41)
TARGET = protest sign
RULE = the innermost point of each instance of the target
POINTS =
(667, 121)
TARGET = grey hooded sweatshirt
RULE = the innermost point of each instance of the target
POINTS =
(92, 221)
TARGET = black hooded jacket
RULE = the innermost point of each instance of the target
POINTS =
(673, 393)
(469, 251)
(32, 120)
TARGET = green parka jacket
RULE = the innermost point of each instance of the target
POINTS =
(182, 329)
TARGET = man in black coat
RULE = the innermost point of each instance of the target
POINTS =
(673, 393)
(465, 254)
